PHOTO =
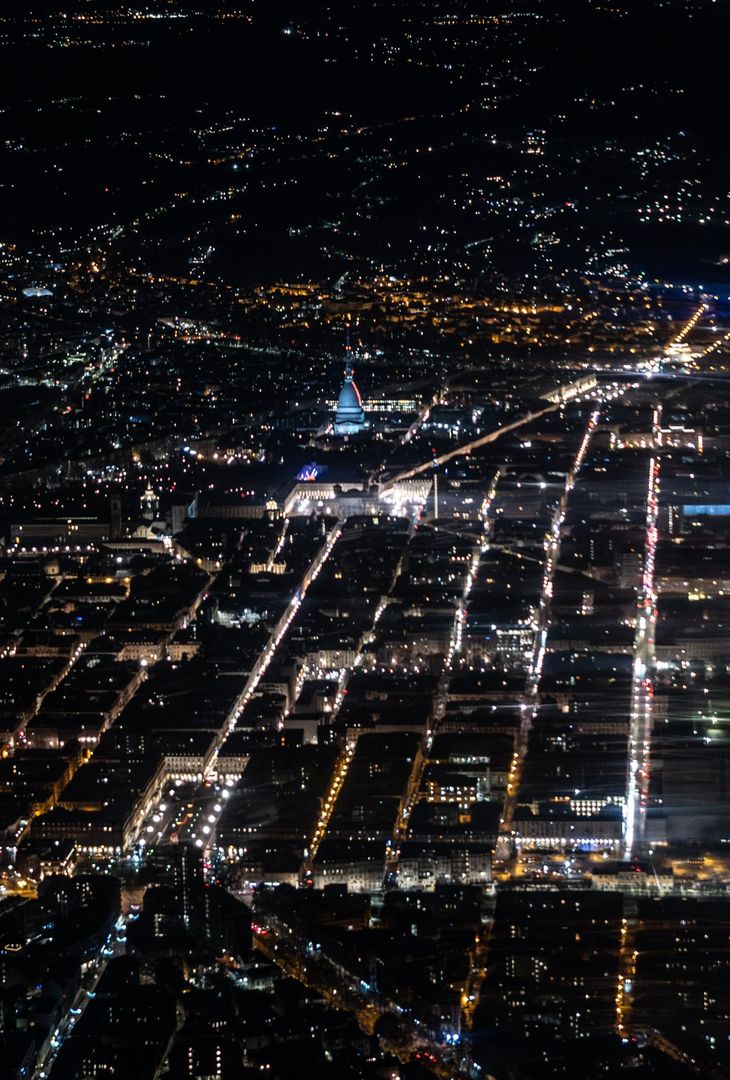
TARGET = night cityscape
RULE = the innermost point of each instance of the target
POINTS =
(364, 540)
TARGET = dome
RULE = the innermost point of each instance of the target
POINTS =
(349, 398)
(350, 415)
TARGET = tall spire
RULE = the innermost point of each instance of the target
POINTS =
(348, 354)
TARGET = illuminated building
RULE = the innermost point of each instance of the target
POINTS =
(150, 504)
(350, 415)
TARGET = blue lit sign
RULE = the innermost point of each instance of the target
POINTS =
(710, 509)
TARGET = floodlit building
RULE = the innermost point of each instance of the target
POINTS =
(350, 415)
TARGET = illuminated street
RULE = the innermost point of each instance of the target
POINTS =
(364, 533)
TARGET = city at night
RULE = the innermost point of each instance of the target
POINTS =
(364, 540)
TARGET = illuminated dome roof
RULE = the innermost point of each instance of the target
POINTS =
(350, 415)
(349, 398)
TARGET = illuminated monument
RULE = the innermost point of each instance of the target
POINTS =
(150, 504)
(350, 415)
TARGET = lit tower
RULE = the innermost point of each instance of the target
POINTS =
(150, 504)
(350, 415)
